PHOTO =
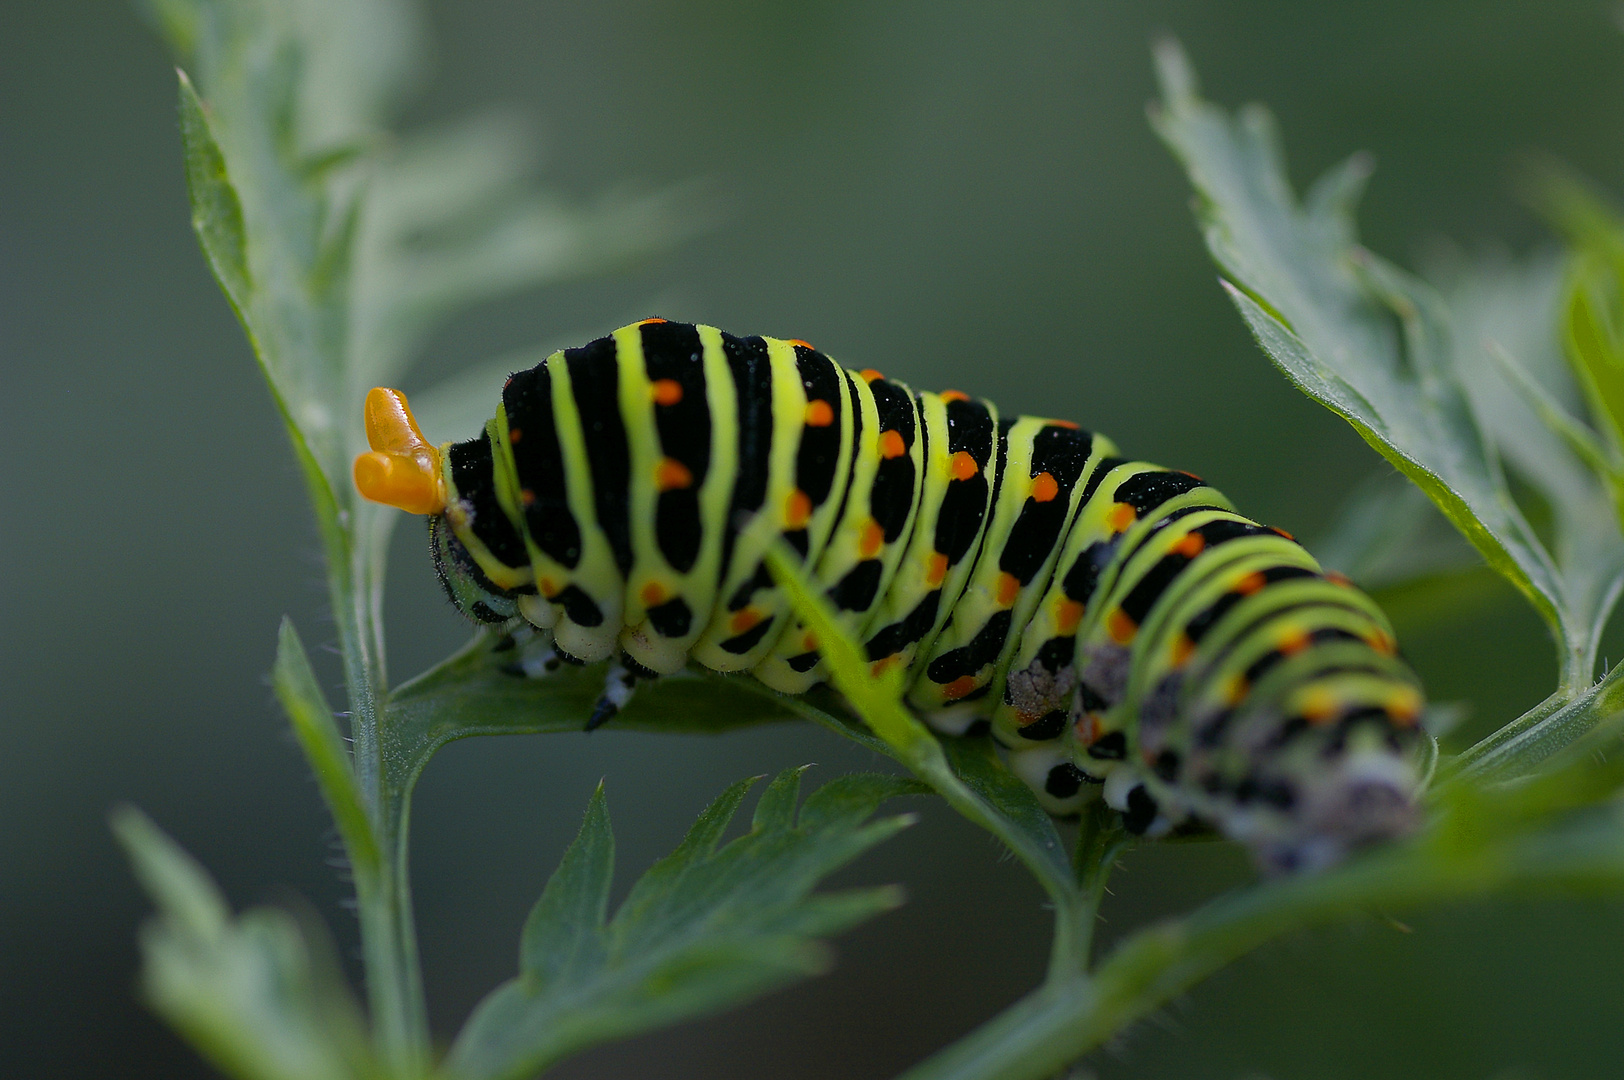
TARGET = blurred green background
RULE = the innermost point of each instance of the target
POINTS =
(960, 194)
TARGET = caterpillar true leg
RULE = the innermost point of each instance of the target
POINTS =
(1116, 626)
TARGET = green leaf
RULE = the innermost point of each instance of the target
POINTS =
(1389, 534)
(455, 219)
(1407, 365)
(323, 746)
(1592, 305)
(259, 997)
(216, 210)
(477, 692)
(341, 247)
(706, 928)
(965, 772)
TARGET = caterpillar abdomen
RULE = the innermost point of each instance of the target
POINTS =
(1117, 625)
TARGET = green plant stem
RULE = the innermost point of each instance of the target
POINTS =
(1542, 731)
(384, 905)
(1064, 1020)
(389, 954)
(1100, 840)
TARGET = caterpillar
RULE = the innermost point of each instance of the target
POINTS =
(1116, 626)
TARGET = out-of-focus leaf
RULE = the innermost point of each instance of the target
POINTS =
(342, 246)
(1402, 363)
(1388, 534)
(1509, 358)
(453, 218)
(1592, 305)
(704, 929)
(254, 993)
(457, 408)
(216, 210)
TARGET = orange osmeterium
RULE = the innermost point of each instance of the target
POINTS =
(403, 468)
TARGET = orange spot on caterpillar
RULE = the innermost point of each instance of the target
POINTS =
(526, 496)
(1044, 487)
(1251, 583)
(1007, 589)
(963, 466)
(1405, 707)
(1121, 628)
(1293, 643)
(653, 594)
(515, 434)
(1069, 425)
(744, 620)
(1183, 649)
(1319, 706)
(1336, 577)
(891, 445)
(1088, 729)
(953, 395)
(809, 642)
(819, 413)
(665, 391)
(879, 667)
(959, 687)
(1068, 613)
(801, 343)
(1121, 516)
(935, 569)
(1190, 545)
(871, 539)
(870, 375)
(548, 587)
(1236, 691)
(1282, 532)
(648, 321)
(797, 510)
(672, 475)
(1382, 643)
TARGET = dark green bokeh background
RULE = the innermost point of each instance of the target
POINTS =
(961, 194)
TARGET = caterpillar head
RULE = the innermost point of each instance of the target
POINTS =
(404, 470)
(465, 584)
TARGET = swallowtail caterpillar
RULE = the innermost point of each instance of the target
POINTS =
(1118, 628)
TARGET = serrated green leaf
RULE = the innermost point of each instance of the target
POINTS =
(254, 993)
(1407, 366)
(562, 943)
(705, 928)
(776, 807)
